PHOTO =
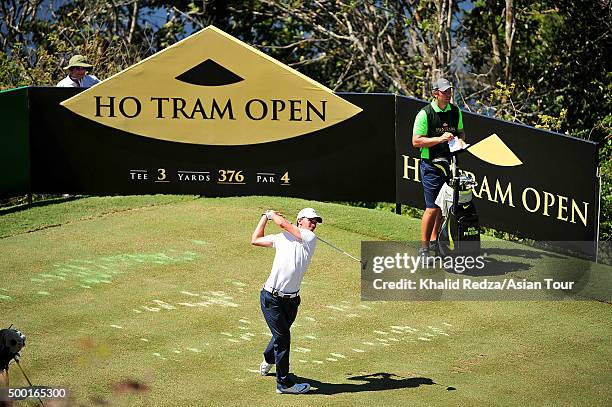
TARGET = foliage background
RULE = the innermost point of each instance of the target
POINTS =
(543, 63)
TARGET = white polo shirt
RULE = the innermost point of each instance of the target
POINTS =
(291, 260)
(87, 82)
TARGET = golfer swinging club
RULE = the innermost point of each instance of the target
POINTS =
(280, 295)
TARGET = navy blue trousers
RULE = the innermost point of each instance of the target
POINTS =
(279, 314)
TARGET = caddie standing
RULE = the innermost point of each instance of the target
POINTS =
(280, 297)
(434, 126)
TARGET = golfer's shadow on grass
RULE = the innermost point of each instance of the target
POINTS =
(373, 382)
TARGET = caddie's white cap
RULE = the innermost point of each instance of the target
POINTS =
(310, 214)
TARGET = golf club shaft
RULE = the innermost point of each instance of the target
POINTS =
(340, 250)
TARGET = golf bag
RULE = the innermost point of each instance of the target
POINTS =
(459, 234)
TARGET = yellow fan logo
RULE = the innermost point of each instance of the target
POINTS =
(212, 89)
(494, 151)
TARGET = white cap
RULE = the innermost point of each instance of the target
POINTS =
(310, 214)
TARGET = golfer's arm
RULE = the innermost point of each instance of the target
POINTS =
(289, 227)
(257, 239)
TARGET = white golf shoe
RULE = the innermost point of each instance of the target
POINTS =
(298, 388)
(264, 368)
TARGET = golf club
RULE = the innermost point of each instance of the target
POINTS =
(362, 262)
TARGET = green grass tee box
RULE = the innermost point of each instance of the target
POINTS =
(154, 300)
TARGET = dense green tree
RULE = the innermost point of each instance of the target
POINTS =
(560, 71)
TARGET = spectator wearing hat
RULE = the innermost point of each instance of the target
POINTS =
(77, 74)
(434, 126)
(280, 296)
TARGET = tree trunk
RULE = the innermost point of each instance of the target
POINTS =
(509, 38)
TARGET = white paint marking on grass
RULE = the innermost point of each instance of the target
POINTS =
(352, 315)
(312, 337)
(302, 350)
(311, 319)
(164, 304)
(447, 324)
(218, 300)
(226, 334)
(200, 242)
(245, 337)
(6, 298)
(234, 340)
(338, 355)
(137, 311)
(253, 371)
(177, 351)
(239, 380)
(190, 293)
(420, 338)
(299, 360)
(239, 283)
(331, 359)
(151, 309)
(364, 306)
(157, 354)
(438, 330)
(319, 362)
(244, 328)
(194, 350)
(336, 308)
(117, 326)
(43, 293)
(186, 304)
(403, 329)
(394, 339)
(395, 331)
(357, 350)
(249, 334)
(382, 340)
(381, 332)
(144, 339)
(369, 343)
(244, 321)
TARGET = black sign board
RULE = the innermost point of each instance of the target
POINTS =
(542, 185)
(71, 154)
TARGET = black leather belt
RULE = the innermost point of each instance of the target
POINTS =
(279, 294)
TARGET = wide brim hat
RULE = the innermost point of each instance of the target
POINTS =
(78, 60)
